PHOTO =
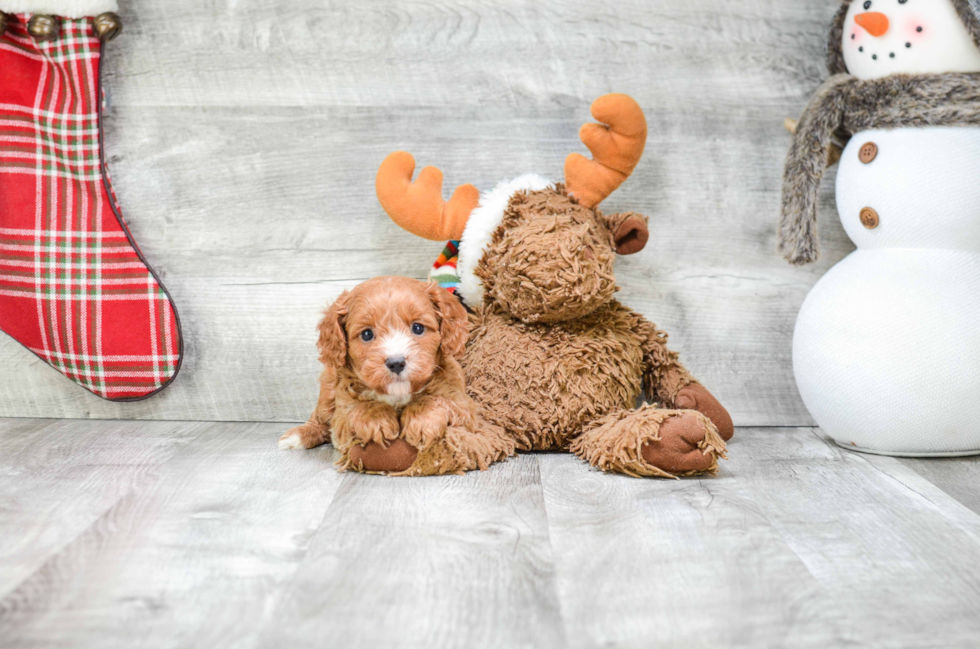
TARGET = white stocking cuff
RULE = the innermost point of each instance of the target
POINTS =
(63, 8)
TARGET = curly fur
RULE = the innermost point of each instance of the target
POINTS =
(441, 422)
(845, 105)
(482, 223)
(544, 382)
(532, 266)
(357, 407)
(554, 360)
(616, 442)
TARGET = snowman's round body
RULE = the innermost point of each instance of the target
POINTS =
(886, 349)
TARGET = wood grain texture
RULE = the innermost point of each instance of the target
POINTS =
(692, 563)
(245, 136)
(196, 557)
(957, 477)
(429, 562)
(211, 536)
(889, 547)
(58, 478)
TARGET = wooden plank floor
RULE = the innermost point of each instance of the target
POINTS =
(164, 534)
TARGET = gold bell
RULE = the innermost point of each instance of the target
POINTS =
(107, 25)
(3, 23)
(43, 27)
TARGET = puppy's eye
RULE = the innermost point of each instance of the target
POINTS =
(418, 328)
(367, 335)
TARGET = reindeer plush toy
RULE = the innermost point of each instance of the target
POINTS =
(552, 358)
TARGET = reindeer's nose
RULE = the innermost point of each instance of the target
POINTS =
(874, 22)
(395, 363)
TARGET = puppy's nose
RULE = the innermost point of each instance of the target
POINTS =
(396, 364)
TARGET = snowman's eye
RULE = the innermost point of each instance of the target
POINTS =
(901, 2)
(867, 5)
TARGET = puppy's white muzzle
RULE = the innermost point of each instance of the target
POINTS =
(398, 346)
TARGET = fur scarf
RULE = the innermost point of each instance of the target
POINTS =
(845, 105)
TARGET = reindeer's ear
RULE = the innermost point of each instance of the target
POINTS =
(630, 232)
(453, 327)
(332, 340)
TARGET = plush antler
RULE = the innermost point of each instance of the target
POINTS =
(616, 145)
(419, 207)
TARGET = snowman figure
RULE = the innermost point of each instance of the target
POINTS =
(886, 350)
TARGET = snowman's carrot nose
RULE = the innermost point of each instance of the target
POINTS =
(874, 22)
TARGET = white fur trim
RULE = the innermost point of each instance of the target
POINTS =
(64, 8)
(483, 222)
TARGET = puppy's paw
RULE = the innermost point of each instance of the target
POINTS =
(306, 436)
(290, 441)
(379, 430)
(422, 427)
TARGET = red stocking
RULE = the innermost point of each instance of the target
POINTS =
(74, 287)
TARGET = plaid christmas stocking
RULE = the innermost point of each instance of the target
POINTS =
(74, 287)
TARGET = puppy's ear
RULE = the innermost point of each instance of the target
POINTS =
(452, 320)
(630, 232)
(332, 341)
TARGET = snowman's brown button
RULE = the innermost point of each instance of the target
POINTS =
(869, 218)
(868, 152)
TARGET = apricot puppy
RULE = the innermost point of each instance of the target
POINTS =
(392, 392)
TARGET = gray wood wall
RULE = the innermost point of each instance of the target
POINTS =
(245, 135)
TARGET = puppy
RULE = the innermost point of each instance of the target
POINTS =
(392, 393)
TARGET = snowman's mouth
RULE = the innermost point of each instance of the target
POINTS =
(875, 55)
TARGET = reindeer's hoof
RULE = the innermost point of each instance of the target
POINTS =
(697, 397)
(677, 449)
(395, 458)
